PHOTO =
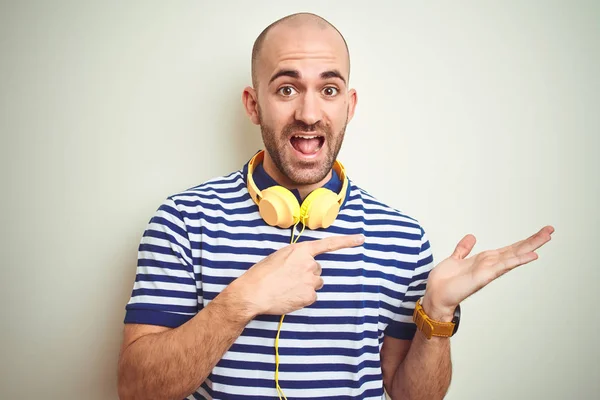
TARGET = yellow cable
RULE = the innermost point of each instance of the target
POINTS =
(279, 390)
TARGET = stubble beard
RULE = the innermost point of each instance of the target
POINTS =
(302, 173)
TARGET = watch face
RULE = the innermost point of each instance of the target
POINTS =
(456, 319)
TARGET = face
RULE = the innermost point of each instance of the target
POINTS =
(302, 102)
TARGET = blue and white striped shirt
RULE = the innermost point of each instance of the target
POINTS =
(202, 239)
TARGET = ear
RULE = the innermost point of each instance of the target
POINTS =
(250, 101)
(352, 100)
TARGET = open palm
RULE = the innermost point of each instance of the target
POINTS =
(458, 277)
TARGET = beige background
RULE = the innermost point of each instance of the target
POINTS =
(474, 117)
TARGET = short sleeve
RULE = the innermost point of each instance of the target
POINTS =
(165, 290)
(403, 327)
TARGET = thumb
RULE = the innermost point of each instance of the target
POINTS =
(464, 247)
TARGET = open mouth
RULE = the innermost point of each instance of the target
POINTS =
(307, 144)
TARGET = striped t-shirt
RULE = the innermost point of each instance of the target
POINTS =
(202, 239)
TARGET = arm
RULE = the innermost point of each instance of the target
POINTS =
(417, 369)
(412, 366)
(163, 363)
(425, 370)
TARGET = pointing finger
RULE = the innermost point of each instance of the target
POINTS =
(333, 243)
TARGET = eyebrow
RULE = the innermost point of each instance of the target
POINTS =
(296, 75)
(285, 72)
(333, 74)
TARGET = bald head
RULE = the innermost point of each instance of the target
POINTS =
(295, 23)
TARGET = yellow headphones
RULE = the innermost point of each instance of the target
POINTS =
(279, 207)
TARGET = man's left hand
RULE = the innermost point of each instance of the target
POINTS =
(458, 277)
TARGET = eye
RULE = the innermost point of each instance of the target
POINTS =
(330, 91)
(286, 91)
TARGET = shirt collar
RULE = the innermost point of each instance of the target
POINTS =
(263, 181)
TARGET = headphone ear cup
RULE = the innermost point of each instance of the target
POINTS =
(319, 209)
(279, 207)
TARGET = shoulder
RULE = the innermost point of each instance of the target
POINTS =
(214, 195)
(226, 189)
(377, 212)
(223, 184)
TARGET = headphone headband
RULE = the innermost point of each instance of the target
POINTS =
(256, 194)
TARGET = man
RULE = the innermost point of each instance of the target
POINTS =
(218, 268)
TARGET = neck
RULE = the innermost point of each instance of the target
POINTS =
(284, 181)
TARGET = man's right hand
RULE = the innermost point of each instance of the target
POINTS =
(288, 279)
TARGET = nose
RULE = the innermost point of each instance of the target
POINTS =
(309, 110)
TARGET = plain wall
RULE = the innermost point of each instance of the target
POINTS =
(473, 116)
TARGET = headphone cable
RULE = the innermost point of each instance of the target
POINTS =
(279, 390)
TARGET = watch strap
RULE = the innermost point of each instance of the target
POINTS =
(430, 327)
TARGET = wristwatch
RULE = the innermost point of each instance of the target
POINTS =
(430, 327)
